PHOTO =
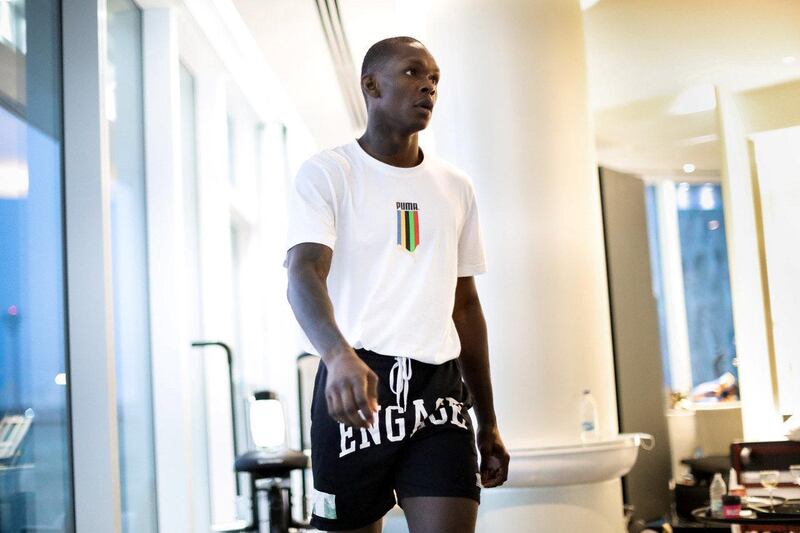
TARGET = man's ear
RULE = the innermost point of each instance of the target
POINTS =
(370, 86)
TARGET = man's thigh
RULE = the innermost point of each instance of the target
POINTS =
(440, 514)
(442, 462)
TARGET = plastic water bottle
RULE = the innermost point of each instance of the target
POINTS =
(718, 490)
(589, 429)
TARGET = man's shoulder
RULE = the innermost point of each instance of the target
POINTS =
(458, 176)
(331, 165)
(331, 159)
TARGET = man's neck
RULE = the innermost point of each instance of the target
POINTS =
(396, 150)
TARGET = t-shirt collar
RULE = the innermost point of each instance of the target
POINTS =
(386, 168)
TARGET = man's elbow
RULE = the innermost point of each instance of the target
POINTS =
(464, 311)
(467, 305)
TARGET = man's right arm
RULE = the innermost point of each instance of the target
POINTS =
(351, 385)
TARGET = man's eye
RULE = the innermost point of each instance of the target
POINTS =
(410, 71)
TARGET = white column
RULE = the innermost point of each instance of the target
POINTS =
(513, 112)
(169, 312)
(216, 285)
(761, 418)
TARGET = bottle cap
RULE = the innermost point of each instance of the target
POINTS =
(731, 500)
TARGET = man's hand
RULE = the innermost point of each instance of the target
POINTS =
(351, 390)
(494, 457)
(352, 387)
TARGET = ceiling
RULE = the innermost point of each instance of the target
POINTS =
(642, 55)
(648, 58)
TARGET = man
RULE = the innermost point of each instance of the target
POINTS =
(383, 245)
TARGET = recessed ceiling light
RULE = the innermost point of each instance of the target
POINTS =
(788, 60)
(688, 168)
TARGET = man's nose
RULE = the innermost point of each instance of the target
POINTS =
(428, 88)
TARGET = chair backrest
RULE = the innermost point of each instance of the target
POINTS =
(749, 458)
(306, 373)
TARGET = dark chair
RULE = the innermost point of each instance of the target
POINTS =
(748, 458)
(268, 472)
(271, 473)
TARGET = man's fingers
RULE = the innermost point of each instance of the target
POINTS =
(494, 469)
(372, 390)
(360, 393)
(489, 479)
(350, 408)
(493, 479)
(334, 406)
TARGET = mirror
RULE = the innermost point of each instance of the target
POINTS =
(697, 128)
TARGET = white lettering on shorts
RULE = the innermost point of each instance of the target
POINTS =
(391, 424)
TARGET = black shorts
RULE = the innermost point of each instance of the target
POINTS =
(423, 444)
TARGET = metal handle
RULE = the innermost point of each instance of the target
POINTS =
(744, 455)
(229, 355)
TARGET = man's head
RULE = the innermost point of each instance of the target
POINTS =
(399, 80)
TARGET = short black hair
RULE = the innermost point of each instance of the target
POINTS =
(379, 52)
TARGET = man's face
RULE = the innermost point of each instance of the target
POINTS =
(408, 88)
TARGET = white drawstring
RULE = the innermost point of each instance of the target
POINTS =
(399, 382)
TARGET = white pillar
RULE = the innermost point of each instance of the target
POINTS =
(170, 342)
(513, 112)
(761, 418)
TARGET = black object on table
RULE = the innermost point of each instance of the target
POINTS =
(783, 512)
(704, 468)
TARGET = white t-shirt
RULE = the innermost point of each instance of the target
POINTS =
(400, 238)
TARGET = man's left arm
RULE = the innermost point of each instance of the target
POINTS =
(474, 363)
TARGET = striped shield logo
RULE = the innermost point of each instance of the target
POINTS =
(408, 225)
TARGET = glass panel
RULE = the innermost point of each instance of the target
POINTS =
(35, 466)
(704, 256)
(706, 282)
(129, 267)
(191, 225)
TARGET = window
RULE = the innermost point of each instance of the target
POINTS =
(691, 283)
(35, 466)
(129, 267)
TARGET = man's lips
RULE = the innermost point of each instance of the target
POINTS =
(425, 104)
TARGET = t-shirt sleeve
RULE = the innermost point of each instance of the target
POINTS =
(471, 259)
(311, 207)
